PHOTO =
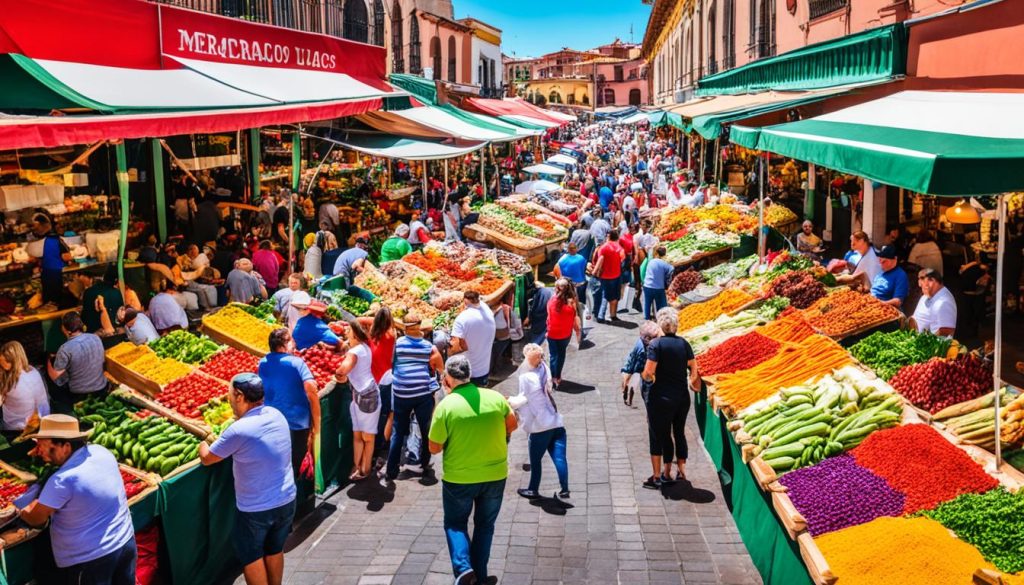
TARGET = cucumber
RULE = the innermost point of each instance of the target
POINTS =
(813, 430)
(169, 465)
(791, 450)
(175, 449)
(781, 463)
(154, 464)
(856, 434)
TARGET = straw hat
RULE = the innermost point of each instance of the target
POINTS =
(59, 426)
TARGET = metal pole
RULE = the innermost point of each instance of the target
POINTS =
(718, 161)
(761, 240)
(998, 359)
(424, 179)
(159, 188)
(483, 175)
(296, 172)
(122, 191)
(254, 164)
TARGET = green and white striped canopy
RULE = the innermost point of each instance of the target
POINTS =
(939, 143)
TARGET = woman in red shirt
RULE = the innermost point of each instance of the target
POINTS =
(562, 322)
(382, 352)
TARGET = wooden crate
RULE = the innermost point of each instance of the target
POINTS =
(194, 427)
(151, 480)
(18, 473)
(816, 564)
(225, 339)
(127, 377)
(763, 472)
(533, 254)
(792, 520)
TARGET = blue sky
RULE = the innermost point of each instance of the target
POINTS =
(534, 27)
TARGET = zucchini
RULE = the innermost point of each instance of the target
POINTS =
(813, 430)
(791, 450)
(857, 433)
(781, 463)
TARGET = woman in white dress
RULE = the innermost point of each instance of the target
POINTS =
(365, 407)
(22, 390)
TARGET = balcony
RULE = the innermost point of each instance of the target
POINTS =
(317, 16)
(820, 8)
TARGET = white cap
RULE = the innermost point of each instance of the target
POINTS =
(301, 299)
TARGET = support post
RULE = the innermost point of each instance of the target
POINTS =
(760, 211)
(122, 190)
(483, 174)
(254, 164)
(809, 193)
(159, 188)
(997, 370)
(296, 173)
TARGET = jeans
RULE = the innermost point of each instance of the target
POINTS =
(498, 349)
(385, 409)
(655, 297)
(557, 349)
(552, 442)
(538, 338)
(458, 501)
(423, 407)
(116, 568)
(598, 297)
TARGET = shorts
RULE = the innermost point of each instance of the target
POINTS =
(610, 288)
(262, 534)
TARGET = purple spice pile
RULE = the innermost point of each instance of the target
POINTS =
(837, 493)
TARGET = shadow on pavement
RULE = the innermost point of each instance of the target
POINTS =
(622, 324)
(552, 506)
(305, 527)
(373, 493)
(684, 490)
(568, 387)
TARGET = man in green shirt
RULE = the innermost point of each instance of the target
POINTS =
(471, 425)
(397, 246)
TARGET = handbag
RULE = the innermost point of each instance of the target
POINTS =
(367, 401)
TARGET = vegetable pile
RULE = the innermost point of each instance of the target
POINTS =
(789, 327)
(229, 363)
(800, 288)
(898, 551)
(144, 361)
(238, 324)
(697, 241)
(263, 311)
(323, 363)
(820, 420)
(683, 282)
(353, 304)
(775, 215)
(886, 353)
(150, 443)
(793, 364)
(939, 383)
(838, 493)
(185, 347)
(133, 485)
(993, 522)
(217, 415)
(917, 461)
(725, 273)
(738, 353)
(846, 311)
(190, 393)
(727, 302)
(974, 421)
(11, 488)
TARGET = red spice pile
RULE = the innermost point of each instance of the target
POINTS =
(738, 353)
(916, 460)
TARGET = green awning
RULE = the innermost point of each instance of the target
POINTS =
(422, 89)
(938, 143)
(710, 125)
(662, 118)
(879, 53)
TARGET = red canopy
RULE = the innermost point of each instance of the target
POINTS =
(510, 108)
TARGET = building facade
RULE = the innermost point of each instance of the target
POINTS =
(609, 75)
(686, 40)
(421, 36)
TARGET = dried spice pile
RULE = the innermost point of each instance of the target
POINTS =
(738, 353)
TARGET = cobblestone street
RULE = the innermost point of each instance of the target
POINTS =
(617, 532)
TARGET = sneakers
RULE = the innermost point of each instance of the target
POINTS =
(528, 494)
(562, 496)
(413, 468)
(467, 578)
(666, 479)
(652, 483)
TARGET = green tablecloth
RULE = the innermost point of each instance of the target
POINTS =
(196, 510)
(776, 557)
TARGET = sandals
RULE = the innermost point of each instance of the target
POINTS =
(357, 476)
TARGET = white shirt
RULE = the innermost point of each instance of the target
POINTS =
(628, 204)
(936, 312)
(361, 377)
(869, 265)
(533, 404)
(475, 325)
(27, 396)
(414, 227)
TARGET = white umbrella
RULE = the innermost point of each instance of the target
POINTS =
(562, 159)
(543, 169)
(537, 187)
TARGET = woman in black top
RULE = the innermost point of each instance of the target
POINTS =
(668, 404)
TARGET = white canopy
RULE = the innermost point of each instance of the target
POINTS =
(537, 187)
(442, 120)
(543, 169)
(634, 119)
(531, 120)
(563, 159)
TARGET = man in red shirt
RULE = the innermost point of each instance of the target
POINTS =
(609, 269)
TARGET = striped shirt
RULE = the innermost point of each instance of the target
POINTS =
(411, 368)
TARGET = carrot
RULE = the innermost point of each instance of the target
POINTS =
(846, 311)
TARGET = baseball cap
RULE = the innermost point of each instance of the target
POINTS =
(301, 299)
(887, 252)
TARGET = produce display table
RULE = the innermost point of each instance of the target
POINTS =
(196, 510)
(713, 256)
(776, 557)
(535, 256)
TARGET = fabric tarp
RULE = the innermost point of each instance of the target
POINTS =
(46, 132)
(514, 109)
(637, 118)
(543, 169)
(562, 159)
(872, 55)
(434, 118)
(528, 121)
(939, 143)
(544, 113)
(537, 187)
(388, 146)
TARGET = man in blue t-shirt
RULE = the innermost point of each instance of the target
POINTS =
(291, 389)
(91, 527)
(657, 278)
(259, 445)
(891, 285)
(605, 197)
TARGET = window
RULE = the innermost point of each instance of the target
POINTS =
(823, 7)
(586, 100)
(397, 42)
(618, 73)
(712, 34)
(753, 24)
(634, 97)
(415, 64)
(452, 60)
(555, 97)
(378, 23)
(766, 29)
(728, 34)
(435, 56)
(609, 97)
(491, 78)
(570, 99)
(356, 24)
